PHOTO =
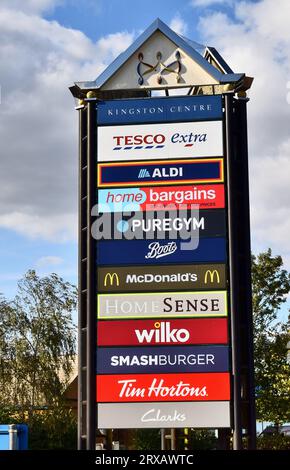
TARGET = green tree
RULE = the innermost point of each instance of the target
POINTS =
(37, 341)
(271, 284)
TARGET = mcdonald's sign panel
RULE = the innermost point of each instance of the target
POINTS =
(163, 277)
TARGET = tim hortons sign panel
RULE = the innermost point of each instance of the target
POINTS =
(161, 198)
(146, 110)
(163, 387)
(134, 252)
(152, 141)
(167, 304)
(162, 359)
(158, 172)
(198, 414)
(171, 331)
(163, 277)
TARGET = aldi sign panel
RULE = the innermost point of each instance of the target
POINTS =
(154, 173)
(145, 110)
(152, 141)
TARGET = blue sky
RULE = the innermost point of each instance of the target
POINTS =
(46, 45)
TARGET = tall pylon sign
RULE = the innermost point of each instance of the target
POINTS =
(165, 318)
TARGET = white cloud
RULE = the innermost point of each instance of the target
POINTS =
(209, 3)
(257, 41)
(49, 261)
(38, 123)
(178, 25)
(31, 6)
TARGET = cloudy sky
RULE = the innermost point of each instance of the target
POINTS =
(46, 45)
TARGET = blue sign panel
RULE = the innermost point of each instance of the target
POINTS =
(209, 170)
(132, 252)
(187, 108)
(162, 359)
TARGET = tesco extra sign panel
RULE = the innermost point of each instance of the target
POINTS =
(150, 141)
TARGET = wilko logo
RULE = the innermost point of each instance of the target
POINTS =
(156, 250)
(162, 333)
(199, 331)
(163, 387)
(111, 279)
(147, 141)
(212, 275)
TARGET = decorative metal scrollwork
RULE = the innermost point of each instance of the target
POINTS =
(174, 67)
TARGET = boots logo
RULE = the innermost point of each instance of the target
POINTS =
(162, 333)
(158, 251)
(212, 275)
(111, 278)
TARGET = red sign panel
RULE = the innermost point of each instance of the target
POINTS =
(163, 387)
(171, 331)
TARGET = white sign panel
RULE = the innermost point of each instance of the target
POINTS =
(151, 141)
(167, 304)
(215, 414)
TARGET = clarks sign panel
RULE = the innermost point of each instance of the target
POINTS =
(167, 304)
(164, 415)
(183, 224)
(169, 198)
(132, 252)
(160, 359)
(163, 387)
(150, 141)
(187, 108)
(158, 172)
(143, 278)
(164, 331)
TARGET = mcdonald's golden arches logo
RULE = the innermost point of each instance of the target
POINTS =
(111, 277)
(212, 274)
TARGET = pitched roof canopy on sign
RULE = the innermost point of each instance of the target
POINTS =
(162, 59)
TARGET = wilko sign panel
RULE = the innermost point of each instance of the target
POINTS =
(159, 332)
(158, 172)
(143, 278)
(198, 414)
(149, 141)
(187, 108)
(150, 225)
(163, 387)
(162, 359)
(167, 304)
(167, 198)
(133, 252)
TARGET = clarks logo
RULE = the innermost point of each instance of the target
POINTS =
(162, 333)
(155, 415)
(158, 251)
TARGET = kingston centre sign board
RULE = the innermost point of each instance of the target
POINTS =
(168, 348)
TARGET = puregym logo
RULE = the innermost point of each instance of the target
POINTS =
(162, 333)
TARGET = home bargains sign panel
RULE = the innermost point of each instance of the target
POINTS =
(162, 352)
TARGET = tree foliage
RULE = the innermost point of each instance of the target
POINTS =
(37, 341)
(271, 284)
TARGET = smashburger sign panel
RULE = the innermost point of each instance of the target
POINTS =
(151, 141)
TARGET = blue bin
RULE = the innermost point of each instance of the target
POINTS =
(13, 436)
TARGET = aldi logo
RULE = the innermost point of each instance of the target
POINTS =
(208, 170)
(145, 141)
